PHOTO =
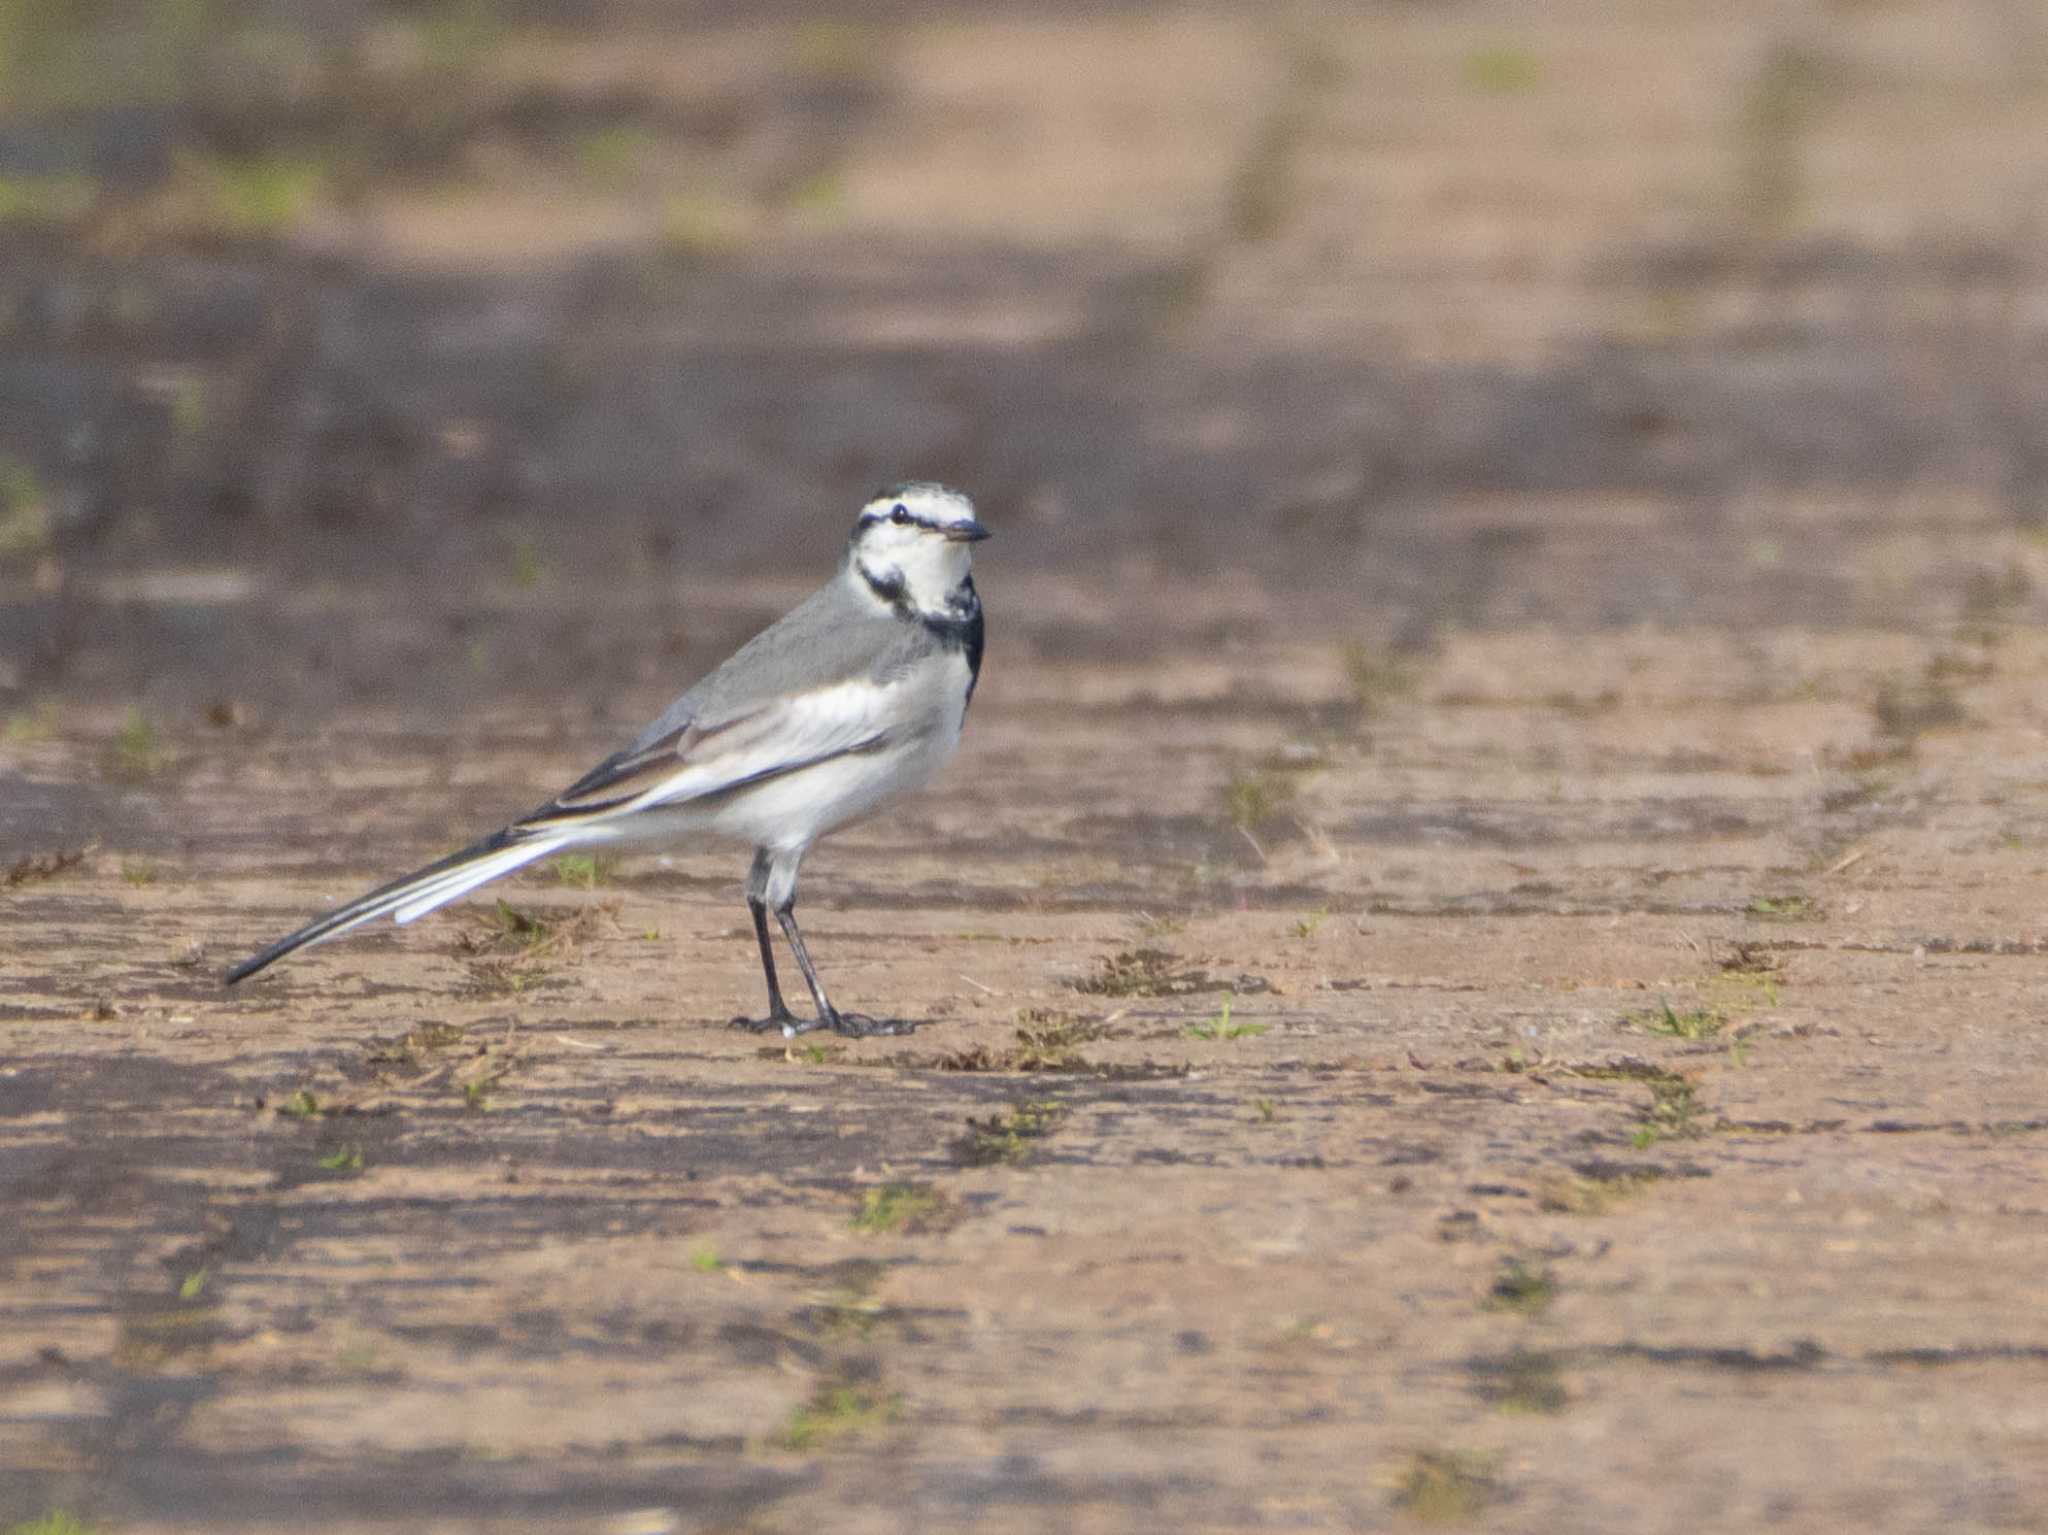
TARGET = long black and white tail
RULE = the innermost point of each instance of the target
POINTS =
(416, 894)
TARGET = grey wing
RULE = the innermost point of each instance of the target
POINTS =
(783, 673)
(624, 773)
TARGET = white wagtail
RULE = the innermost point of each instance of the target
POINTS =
(856, 695)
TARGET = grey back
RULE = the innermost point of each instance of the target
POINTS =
(834, 635)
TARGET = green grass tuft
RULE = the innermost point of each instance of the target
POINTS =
(897, 1207)
(1784, 908)
(1252, 800)
(838, 1411)
(1010, 1138)
(1141, 972)
(1521, 1287)
(1220, 1027)
(135, 752)
(585, 871)
(1674, 1113)
(1700, 1023)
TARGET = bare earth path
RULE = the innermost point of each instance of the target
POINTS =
(482, 1229)
(1481, 961)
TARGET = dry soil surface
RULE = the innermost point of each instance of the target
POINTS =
(1551, 1087)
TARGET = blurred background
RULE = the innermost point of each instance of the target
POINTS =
(343, 337)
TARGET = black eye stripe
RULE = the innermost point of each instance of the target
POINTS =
(902, 516)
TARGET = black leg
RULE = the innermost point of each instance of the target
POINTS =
(853, 1025)
(775, 1002)
(779, 1015)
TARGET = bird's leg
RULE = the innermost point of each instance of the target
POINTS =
(852, 1025)
(776, 1005)
(779, 1015)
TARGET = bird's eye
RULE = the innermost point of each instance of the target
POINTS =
(899, 513)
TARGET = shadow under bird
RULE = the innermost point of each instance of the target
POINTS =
(854, 696)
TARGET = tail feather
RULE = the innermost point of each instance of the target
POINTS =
(459, 882)
(413, 896)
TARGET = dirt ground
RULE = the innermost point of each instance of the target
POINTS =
(1479, 964)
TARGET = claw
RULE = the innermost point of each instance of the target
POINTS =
(787, 1022)
(860, 1026)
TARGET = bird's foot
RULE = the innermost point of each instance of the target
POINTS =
(861, 1026)
(782, 1021)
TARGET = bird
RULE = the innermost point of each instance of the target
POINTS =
(854, 696)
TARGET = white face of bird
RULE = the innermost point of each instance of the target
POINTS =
(916, 539)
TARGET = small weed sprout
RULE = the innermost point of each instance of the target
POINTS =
(1046, 1041)
(1524, 1288)
(705, 1260)
(896, 1207)
(1140, 973)
(1153, 927)
(510, 949)
(136, 753)
(1568, 1195)
(1784, 908)
(1674, 1113)
(838, 1410)
(349, 1159)
(585, 871)
(1254, 800)
(1221, 1027)
(194, 1284)
(1010, 1139)
(1700, 1023)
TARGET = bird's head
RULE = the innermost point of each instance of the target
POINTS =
(914, 540)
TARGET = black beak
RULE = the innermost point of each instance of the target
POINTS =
(965, 532)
